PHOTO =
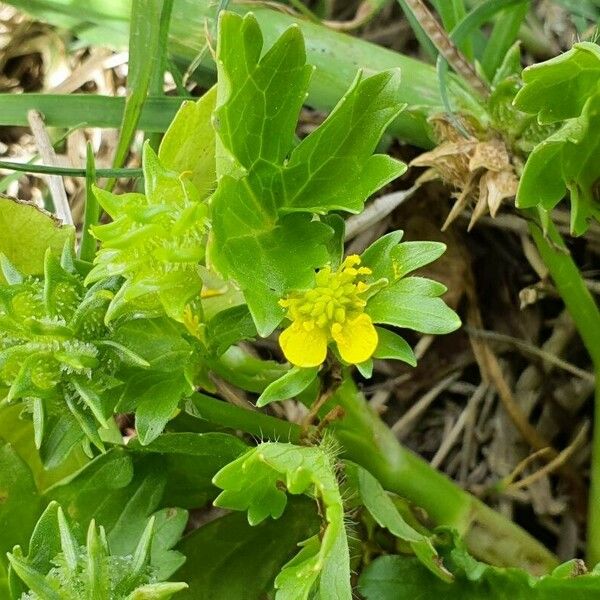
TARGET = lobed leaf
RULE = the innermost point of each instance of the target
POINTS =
(253, 483)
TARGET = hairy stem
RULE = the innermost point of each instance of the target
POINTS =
(586, 316)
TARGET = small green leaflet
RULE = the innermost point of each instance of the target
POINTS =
(253, 483)
(381, 507)
(566, 91)
(295, 381)
(262, 177)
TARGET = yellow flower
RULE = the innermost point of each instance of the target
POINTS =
(333, 310)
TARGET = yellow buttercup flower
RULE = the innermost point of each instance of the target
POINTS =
(333, 310)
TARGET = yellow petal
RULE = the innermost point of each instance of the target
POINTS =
(357, 339)
(304, 348)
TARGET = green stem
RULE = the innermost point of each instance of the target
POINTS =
(586, 316)
(234, 417)
(369, 442)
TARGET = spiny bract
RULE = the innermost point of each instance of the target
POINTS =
(155, 241)
(54, 345)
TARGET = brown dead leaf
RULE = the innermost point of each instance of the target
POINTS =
(480, 170)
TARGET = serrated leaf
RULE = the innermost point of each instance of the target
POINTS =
(252, 483)
(27, 232)
(262, 177)
(295, 381)
(558, 89)
(258, 101)
(333, 168)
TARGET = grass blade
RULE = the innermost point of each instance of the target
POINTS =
(504, 34)
(87, 248)
(85, 110)
(67, 171)
(143, 47)
(158, 76)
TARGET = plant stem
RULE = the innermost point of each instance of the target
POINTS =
(234, 417)
(586, 316)
(368, 441)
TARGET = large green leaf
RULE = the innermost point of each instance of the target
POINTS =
(228, 558)
(26, 232)
(567, 160)
(558, 89)
(189, 461)
(262, 177)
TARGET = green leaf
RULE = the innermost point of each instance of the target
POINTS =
(394, 347)
(264, 258)
(296, 380)
(106, 477)
(567, 159)
(413, 307)
(27, 232)
(334, 168)
(189, 461)
(402, 578)
(157, 401)
(389, 259)
(221, 554)
(189, 143)
(383, 510)
(229, 327)
(253, 483)
(558, 89)
(19, 500)
(258, 102)
(262, 177)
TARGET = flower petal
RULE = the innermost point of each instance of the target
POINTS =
(357, 339)
(304, 348)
